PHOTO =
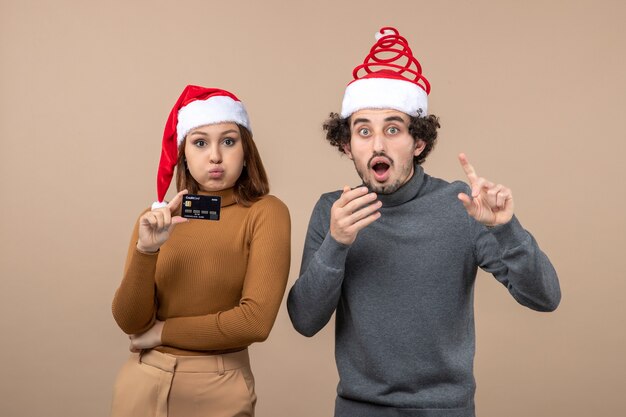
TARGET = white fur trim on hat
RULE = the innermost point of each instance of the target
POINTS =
(215, 109)
(384, 93)
(158, 204)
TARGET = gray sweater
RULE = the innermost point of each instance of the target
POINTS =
(403, 293)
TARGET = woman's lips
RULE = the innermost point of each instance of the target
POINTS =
(216, 173)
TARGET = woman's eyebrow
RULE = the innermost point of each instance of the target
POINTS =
(229, 131)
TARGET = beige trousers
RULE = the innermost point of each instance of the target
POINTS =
(156, 384)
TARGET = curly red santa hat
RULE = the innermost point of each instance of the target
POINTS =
(392, 79)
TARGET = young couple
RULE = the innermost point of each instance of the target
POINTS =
(395, 258)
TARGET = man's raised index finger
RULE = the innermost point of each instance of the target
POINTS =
(467, 167)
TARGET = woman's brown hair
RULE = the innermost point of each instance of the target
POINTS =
(251, 185)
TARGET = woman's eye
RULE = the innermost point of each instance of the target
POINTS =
(393, 130)
(200, 143)
(364, 131)
(229, 142)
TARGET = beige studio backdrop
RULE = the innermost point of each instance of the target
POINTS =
(532, 91)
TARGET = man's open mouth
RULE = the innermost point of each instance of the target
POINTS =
(380, 166)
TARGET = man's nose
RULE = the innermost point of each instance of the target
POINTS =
(378, 142)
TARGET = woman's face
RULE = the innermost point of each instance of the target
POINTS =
(215, 155)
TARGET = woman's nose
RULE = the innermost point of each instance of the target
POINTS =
(216, 156)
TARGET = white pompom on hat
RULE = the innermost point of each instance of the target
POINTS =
(393, 79)
(197, 106)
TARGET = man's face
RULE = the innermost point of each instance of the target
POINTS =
(382, 148)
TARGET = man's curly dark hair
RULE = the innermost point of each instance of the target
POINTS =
(421, 128)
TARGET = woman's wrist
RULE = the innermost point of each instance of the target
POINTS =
(145, 250)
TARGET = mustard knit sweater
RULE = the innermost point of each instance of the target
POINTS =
(217, 285)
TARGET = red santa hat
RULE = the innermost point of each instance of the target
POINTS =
(392, 80)
(196, 106)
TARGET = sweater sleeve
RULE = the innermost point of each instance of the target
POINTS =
(134, 304)
(262, 293)
(314, 297)
(514, 258)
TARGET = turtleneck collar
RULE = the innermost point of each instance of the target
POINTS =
(227, 195)
(406, 192)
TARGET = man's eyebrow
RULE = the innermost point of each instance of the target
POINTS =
(395, 119)
(357, 121)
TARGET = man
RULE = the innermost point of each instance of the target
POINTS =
(397, 257)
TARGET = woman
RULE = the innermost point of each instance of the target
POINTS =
(196, 293)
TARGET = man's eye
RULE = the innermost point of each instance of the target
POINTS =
(364, 131)
(393, 130)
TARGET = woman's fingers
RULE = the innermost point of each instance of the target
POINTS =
(167, 218)
(176, 201)
(178, 220)
(158, 214)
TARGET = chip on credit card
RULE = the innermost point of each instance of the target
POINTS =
(205, 207)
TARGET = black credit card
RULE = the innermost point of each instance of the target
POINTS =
(206, 207)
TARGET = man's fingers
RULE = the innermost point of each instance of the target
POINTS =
(503, 197)
(363, 223)
(175, 203)
(359, 202)
(492, 195)
(364, 212)
(467, 203)
(479, 184)
(353, 210)
(348, 195)
(342, 200)
(470, 172)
